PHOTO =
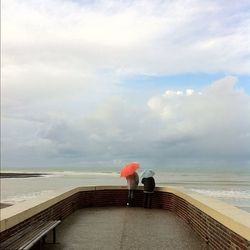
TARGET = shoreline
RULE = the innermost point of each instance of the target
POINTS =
(21, 175)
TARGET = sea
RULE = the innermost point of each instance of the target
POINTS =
(231, 187)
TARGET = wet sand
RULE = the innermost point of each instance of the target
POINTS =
(4, 205)
(21, 175)
(17, 175)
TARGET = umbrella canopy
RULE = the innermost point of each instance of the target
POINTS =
(129, 169)
(147, 173)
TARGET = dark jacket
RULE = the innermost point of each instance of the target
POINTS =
(149, 184)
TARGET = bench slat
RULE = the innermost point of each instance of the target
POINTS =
(40, 235)
(17, 236)
(30, 236)
(15, 241)
(27, 237)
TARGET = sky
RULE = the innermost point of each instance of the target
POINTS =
(101, 83)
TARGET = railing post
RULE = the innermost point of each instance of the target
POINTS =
(54, 235)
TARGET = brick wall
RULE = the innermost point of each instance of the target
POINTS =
(57, 212)
(215, 234)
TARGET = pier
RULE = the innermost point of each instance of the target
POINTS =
(114, 228)
(96, 217)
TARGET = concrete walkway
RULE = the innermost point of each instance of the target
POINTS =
(125, 228)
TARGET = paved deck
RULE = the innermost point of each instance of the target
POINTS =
(125, 228)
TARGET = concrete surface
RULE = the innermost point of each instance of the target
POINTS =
(125, 228)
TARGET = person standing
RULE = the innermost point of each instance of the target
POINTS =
(133, 181)
(149, 186)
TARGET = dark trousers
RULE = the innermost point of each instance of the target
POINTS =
(147, 200)
(131, 196)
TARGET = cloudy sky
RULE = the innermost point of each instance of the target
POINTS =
(100, 83)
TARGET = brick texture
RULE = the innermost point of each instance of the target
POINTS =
(215, 234)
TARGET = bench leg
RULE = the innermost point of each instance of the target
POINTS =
(54, 235)
(44, 239)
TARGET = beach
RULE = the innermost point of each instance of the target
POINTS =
(17, 175)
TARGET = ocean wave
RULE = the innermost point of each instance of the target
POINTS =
(79, 173)
(236, 194)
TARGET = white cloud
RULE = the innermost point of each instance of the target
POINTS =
(140, 37)
(189, 92)
(218, 120)
(62, 48)
(184, 128)
(63, 62)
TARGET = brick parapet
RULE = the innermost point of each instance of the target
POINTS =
(217, 235)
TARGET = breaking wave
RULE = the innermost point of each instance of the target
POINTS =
(223, 193)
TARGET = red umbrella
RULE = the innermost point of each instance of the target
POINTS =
(129, 169)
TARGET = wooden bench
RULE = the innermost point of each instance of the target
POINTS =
(30, 235)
